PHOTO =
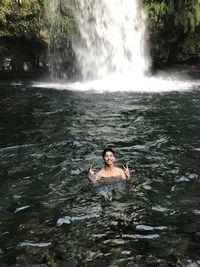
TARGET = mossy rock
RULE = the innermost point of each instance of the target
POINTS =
(22, 19)
(190, 48)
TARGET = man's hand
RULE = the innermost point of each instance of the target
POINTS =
(126, 171)
(90, 172)
(91, 175)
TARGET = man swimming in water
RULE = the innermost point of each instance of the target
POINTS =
(109, 171)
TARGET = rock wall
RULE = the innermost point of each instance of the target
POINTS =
(25, 33)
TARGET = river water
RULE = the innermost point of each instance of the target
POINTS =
(51, 215)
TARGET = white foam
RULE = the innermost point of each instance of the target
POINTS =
(127, 83)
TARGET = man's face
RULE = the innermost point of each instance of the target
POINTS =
(109, 158)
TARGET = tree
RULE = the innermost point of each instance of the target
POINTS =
(171, 21)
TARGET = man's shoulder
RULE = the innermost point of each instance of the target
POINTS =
(118, 169)
(120, 172)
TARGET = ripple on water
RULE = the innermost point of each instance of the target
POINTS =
(21, 208)
(160, 209)
(149, 228)
(136, 236)
(47, 202)
(32, 244)
(69, 220)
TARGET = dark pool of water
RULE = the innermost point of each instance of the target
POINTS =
(52, 216)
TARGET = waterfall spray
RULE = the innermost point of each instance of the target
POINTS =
(61, 55)
(110, 48)
(55, 27)
(113, 38)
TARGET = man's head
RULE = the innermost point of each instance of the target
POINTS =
(108, 149)
(108, 156)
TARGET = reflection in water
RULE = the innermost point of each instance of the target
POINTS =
(51, 215)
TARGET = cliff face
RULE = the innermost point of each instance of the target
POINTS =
(174, 30)
(21, 18)
(23, 35)
(24, 31)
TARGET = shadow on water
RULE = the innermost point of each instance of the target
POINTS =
(52, 216)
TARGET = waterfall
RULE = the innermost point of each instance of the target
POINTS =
(100, 37)
(113, 38)
(102, 45)
(61, 55)
(54, 56)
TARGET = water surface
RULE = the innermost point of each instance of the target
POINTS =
(52, 216)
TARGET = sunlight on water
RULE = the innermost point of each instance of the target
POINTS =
(126, 83)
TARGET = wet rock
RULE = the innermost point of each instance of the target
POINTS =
(7, 64)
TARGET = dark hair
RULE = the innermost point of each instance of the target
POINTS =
(106, 150)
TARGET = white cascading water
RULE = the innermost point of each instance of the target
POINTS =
(113, 38)
(54, 56)
(112, 52)
(59, 45)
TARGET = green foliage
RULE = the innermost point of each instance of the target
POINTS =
(171, 21)
(21, 18)
(156, 12)
(189, 16)
(60, 19)
(190, 47)
(175, 14)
